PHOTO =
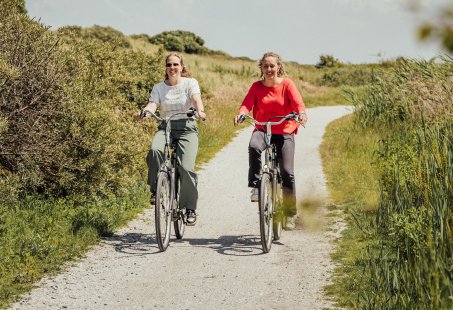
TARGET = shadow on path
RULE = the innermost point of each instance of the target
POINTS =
(145, 244)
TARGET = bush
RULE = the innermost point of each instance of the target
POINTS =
(346, 77)
(328, 61)
(31, 75)
(181, 41)
(72, 105)
(99, 33)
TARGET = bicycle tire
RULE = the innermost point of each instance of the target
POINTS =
(277, 227)
(163, 210)
(266, 212)
(180, 226)
(179, 221)
(278, 219)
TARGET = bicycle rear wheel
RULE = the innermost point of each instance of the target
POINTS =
(266, 209)
(179, 221)
(278, 219)
(180, 225)
(163, 210)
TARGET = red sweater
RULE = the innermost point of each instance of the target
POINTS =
(278, 100)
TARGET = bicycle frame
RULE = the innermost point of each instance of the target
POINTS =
(270, 210)
(270, 158)
(170, 162)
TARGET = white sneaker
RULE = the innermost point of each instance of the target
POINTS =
(254, 195)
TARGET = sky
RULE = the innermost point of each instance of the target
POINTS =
(354, 31)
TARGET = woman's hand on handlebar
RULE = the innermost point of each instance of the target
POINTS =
(138, 116)
(239, 119)
(303, 119)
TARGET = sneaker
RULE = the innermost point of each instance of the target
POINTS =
(291, 222)
(254, 195)
(191, 217)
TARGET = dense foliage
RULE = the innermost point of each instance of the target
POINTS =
(180, 41)
(65, 110)
(98, 33)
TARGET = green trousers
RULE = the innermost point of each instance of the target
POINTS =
(185, 132)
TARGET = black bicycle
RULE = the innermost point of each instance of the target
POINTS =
(270, 202)
(168, 183)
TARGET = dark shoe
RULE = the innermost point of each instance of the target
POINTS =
(191, 217)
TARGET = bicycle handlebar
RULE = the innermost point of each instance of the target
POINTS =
(189, 113)
(290, 116)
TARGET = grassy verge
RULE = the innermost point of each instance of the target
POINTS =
(347, 154)
(37, 236)
(397, 249)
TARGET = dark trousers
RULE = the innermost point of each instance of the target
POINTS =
(285, 156)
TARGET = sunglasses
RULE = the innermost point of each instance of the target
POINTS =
(169, 64)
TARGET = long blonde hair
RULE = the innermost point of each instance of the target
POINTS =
(281, 67)
(184, 71)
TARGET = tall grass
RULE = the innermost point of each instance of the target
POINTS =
(402, 257)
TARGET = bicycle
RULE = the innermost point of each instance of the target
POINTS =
(270, 201)
(167, 193)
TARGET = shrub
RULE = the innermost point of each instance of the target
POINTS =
(347, 77)
(31, 75)
(180, 41)
(65, 110)
(99, 33)
(328, 61)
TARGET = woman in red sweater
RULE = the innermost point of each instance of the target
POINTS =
(274, 95)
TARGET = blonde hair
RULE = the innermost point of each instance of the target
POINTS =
(184, 71)
(281, 67)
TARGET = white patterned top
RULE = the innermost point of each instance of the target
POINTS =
(175, 99)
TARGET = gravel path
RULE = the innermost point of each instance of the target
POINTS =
(219, 263)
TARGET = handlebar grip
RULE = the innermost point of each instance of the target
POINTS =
(241, 118)
(191, 112)
(292, 115)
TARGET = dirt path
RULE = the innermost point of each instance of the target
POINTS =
(219, 264)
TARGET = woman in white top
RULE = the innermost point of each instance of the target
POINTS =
(177, 93)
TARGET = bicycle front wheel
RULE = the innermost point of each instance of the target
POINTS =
(266, 209)
(163, 210)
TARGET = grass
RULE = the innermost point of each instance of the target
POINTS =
(391, 177)
(352, 179)
(347, 153)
